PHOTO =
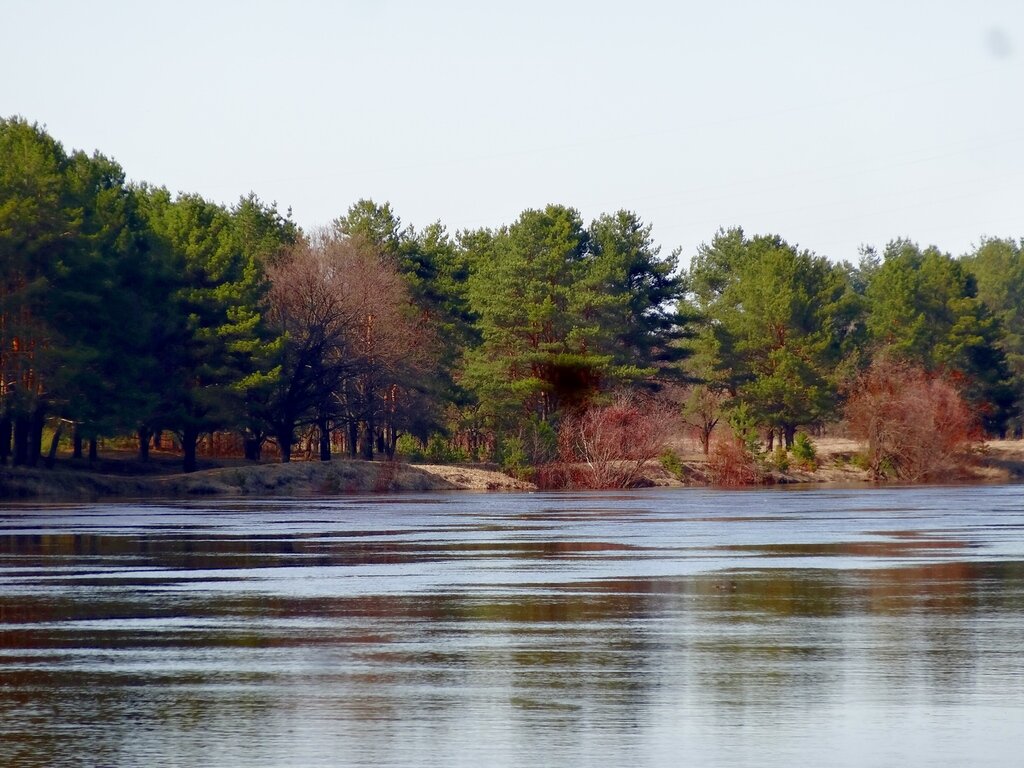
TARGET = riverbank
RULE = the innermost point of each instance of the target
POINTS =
(124, 479)
(121, 476)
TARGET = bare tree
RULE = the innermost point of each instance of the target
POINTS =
(394, 354)
(310, 307)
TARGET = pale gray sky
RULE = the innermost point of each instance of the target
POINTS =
(831, 124)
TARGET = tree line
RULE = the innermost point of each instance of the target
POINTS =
(126, 309)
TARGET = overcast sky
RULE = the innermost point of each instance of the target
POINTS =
(831, 124)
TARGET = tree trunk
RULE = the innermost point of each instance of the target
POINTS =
(5, 438)
(51, 457)
(284, 445)
(705, 437)
(789, 432)
(770, 440)
(253, 447)
(21, 430)
(189, 439)
(145, 433)
(94, 452)
(367, 441)
(76, 442)
(157, 437)
(325, 438)
(35, 440)
(353, 438)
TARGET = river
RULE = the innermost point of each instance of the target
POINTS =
(817, 627)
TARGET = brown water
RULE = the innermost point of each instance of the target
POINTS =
(657, 628)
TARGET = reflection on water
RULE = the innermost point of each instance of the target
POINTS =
(773, 628)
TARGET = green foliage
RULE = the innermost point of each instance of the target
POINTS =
(126, 307)
(440, 451)
(409, 448)
(563, 312)
(83, 292)
(998, 265)
(804, 452)
(861, 461)
(646, 317)
(780, 459)
(774, 321)
(513, 457)
(924, 309)
(222, 347)
(537, 316)
(540, 441)
(672, 464)
(744, 424)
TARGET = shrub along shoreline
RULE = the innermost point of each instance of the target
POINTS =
(997, 461)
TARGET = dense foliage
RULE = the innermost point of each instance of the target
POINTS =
(128, 310)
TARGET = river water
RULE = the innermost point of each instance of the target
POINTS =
(818, 627)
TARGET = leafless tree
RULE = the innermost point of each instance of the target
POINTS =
(309, 305)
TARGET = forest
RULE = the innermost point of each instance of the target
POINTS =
(129, 310)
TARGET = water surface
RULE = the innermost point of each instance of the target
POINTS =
(661, 628)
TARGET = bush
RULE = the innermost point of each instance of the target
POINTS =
(804, 453)
(613, 442)
(672, 464)
(861, 461)
(917, 426)
(780, 459)
(440, 451)
(744, 428)
(730, 463)
(513, 458)
(539, 441)
(409, 448)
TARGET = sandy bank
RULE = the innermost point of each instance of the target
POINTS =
(295, 479)
(996, 461)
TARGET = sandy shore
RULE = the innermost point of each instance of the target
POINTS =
(996, 461)
(298, 478)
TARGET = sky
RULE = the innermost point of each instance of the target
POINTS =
(834, 125)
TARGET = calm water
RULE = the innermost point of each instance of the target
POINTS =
(689, 627)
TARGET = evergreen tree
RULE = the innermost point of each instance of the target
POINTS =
(539, 306)
(219, 351)
(924, 308)
(773, 321)
(646, 317)
(998, 265)
(36, 234)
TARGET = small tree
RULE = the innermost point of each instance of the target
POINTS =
(917, 426)
(702, 411)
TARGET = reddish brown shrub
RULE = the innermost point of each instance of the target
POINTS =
(607, 446)
(557, 476)
(917, 426)
(731, 464)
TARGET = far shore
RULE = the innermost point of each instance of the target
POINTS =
(119, 475)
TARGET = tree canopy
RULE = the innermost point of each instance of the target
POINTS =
(128, 310)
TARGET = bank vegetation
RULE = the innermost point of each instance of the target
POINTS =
(565, 353)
